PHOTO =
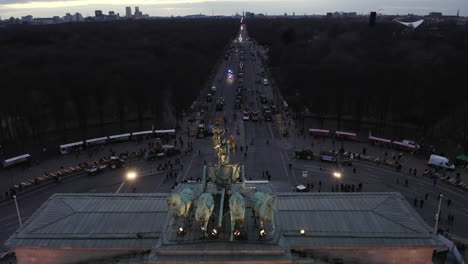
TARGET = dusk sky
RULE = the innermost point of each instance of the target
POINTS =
(48, 8)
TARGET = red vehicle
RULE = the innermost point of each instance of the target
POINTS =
(255, 116)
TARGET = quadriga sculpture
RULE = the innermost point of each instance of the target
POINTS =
(237, 210)
(265, 207)
(179, 204)
(205, 206)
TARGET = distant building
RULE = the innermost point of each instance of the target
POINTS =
(329, 14)
(249, 15)
(128, 12)
(77, 17)
(44, 21)
(98, 13)
(352, 14)
(56, 19)
(111, 13)
(27, 19)
(435, 14)
(68, 18)
(138, 14)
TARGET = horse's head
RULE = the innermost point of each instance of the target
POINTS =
(270, 204)
(237, 206)
(173, 203)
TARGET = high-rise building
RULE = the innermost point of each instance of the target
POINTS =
(77, 17)
(372, 18)
(435, 14)
(128, 11)
(98, 13)
(68, 18)
(27, 19)
(138, 13)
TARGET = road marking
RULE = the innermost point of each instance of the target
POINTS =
(120, 187)
(271, 131)
(188, 168)
(160, 182)
(284, 167)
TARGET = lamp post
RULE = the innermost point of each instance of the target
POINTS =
(17, 211)
(437, 214)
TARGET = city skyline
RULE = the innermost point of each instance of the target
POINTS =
(18, 8)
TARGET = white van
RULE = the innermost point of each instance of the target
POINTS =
(441, 162)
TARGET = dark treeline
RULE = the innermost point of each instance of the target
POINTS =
(70, 77)
(385, 74)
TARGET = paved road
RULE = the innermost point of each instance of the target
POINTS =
(274, 156)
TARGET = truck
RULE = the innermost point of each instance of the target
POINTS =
(306, 154)
(440, 162)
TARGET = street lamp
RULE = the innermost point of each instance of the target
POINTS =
(337, 174)
(17, 211)
(437, 214)
(130, 176)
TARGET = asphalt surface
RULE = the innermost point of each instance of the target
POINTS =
(267, 151)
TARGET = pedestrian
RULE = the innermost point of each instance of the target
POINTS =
(267, 141)
(199, 153)
(360, 186)
(245, 155)
(406, 182)
(410, 170)
(421, 203)
(364, 150)
(449, 201)
(414, 172)
(246, 148)
(290, 166)
(426, 196)
(354, 170)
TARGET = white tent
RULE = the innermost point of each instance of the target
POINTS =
(412, 25)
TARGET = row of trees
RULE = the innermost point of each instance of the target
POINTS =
(63, 79)
(386, 74)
